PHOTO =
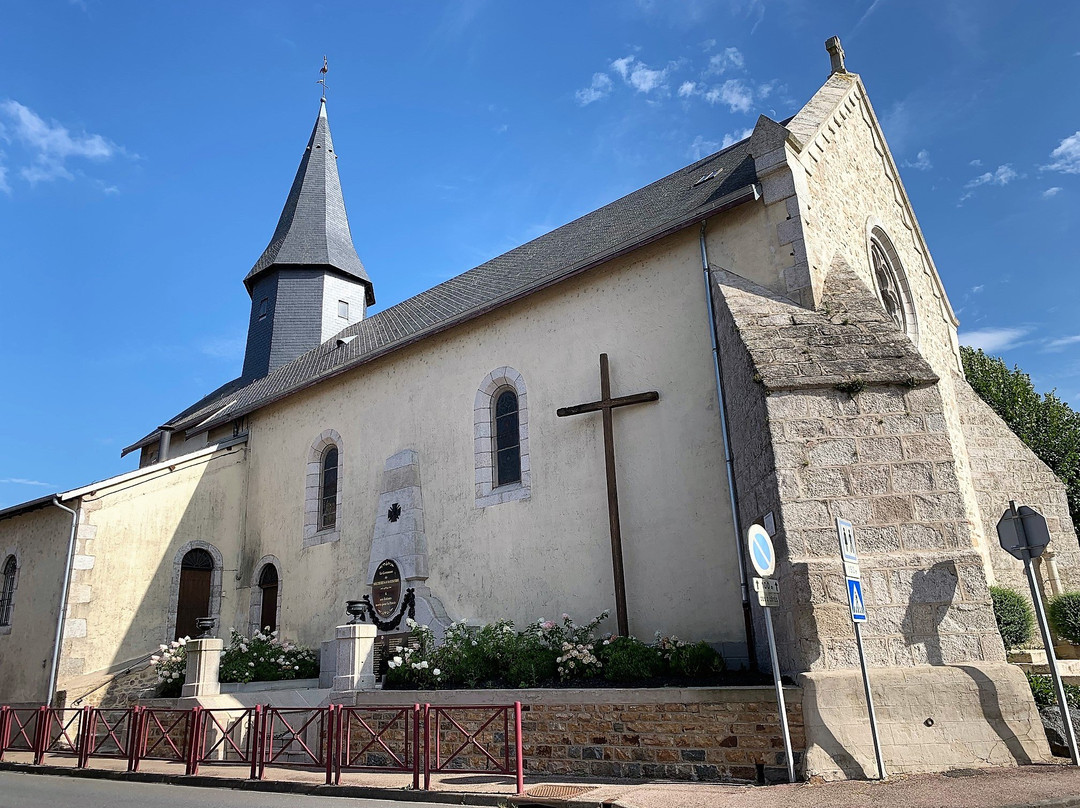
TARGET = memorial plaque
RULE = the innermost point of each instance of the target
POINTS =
(386, 589)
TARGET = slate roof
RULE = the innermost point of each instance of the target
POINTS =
(313, 229)
(678, 200)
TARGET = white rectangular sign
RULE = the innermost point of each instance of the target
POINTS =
(768, 591)
(846, 532)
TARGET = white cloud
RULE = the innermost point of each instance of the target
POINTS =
(1062, 342)
(702, 147)
(687, 89)
(727, 59)
(4, 187)
(21, 481)
(638, 75)
(50, 145)
(1003, 175)
(1049, 192)
(734, 93)
(599, 89)
(976, 162)
(993, 339)
(734, 137)
(921, 161)
(976, 289)
(224, 347)
(1066, 157)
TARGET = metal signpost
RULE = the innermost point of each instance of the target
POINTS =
(763, 557)
(849, 554)
(1023, 534)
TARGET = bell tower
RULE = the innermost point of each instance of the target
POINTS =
(309, 283)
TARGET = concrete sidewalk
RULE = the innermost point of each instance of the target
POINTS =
(1047, 786)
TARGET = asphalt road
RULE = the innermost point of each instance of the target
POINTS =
(19, 790)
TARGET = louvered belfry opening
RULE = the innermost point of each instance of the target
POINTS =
(193, 599)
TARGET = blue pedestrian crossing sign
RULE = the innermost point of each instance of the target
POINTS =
(762, 554)
(855, 600)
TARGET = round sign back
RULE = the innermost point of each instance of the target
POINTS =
(386, 588)
(762, 554)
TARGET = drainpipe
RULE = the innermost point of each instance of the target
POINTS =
(744, 590)
(63, 600)
(163, 445)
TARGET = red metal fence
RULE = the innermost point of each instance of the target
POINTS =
(331, 739)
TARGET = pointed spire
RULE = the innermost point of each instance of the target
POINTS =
(313, 230)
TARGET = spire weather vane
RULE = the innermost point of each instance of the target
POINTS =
(322, 79)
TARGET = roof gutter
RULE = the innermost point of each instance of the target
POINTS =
(748, 193)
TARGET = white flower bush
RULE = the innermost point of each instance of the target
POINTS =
(264, 657)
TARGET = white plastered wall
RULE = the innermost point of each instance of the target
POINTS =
(550, 553)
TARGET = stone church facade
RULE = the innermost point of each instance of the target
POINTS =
(780, 298)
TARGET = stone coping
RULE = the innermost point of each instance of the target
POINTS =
(281, 684)
(569, 695)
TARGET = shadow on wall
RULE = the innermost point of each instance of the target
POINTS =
(145, 528)
(990, 702)
(932, 592)
(807, 636)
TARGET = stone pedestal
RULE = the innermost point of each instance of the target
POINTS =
(203, 660)
(355, 658)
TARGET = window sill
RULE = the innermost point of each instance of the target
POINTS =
(5, 630)
(321, 537)
(512, 492)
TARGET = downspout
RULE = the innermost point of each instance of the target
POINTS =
(164, 445)
(744, 590)
(63, 600)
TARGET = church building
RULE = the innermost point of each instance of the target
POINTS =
(591, 421)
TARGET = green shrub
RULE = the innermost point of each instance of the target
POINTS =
(696, 660)
(1042, 688)
(1064, 614)
(531, 662)
(1015, 620)
(627, 660)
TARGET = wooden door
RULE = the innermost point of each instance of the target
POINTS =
(193, 599)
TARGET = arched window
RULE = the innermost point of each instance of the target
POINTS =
(193, 598)
(323, 489)
(501, 445)
(7, 593)
(891, 283)
(268, 586)
(507, 440)
(328, 486)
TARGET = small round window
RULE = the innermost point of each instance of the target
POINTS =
(891, 284)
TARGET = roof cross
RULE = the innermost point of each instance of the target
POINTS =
(322, 77)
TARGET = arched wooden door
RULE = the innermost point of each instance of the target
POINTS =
(268, 583)
(193, 600)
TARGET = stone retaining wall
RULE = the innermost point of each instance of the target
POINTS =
(680, 734)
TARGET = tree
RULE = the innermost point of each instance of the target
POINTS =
(1049, 426)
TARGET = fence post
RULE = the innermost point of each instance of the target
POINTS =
(416, 747)
(194, 741)
(139, 743)
(5, 728)
(329, 731)
(87, 732)
(427, 747)
(133, 735)
(339, 742)
(258, 742)
(40, 732)
(517, 747)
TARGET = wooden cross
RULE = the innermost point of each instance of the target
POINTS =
(605, 405)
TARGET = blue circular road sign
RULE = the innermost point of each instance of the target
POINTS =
(762, 554)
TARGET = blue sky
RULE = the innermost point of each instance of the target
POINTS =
(146, 150)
